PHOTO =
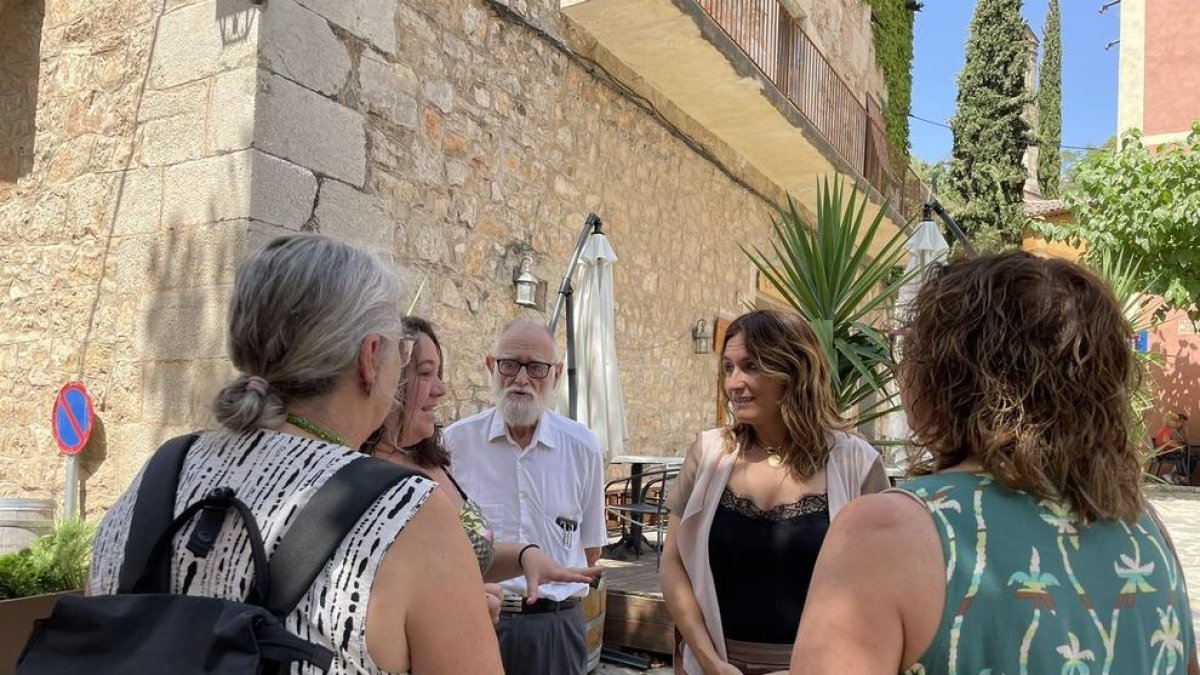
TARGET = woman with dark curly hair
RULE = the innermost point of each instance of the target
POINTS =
(1025, 544)
(411, 437)
(753, 501)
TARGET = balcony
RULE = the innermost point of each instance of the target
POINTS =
(745, 80)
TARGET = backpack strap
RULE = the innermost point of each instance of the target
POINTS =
(153, 512)
(218, 502)
(323, 523)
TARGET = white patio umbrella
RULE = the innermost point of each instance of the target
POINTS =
(925, 247)
(599, 403)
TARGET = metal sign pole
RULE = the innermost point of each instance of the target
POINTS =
(71, 494)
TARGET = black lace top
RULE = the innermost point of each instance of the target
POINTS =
(762, 562)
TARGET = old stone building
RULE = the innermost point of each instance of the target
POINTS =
(148, 145)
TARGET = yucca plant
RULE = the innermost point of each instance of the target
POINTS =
(828, 274)
(1124, 276)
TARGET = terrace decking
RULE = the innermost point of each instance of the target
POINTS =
(636, 617)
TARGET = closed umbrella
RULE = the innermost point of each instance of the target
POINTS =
(600, 404)
(926, 247)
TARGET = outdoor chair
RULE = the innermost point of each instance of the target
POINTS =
(616, 493)
(644, 511)
(1171, 465)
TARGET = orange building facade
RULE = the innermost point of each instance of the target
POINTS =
(1159, 93)
(1159, 87)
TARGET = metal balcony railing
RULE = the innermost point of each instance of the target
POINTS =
(772, 38)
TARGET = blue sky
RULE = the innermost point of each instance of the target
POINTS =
(1089, 72)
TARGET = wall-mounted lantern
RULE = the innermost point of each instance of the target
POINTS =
(702, 337)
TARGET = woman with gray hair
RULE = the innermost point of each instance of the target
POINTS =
(315, 331)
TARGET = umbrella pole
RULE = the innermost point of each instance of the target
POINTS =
(590, 226)
(934, 205)
(568, 295)
(565, 292)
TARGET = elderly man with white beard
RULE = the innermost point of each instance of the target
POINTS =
(539, 478)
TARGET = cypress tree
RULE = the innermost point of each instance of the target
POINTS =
(990, 135)
(1050, 103)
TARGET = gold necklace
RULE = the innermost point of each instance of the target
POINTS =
(774, 459)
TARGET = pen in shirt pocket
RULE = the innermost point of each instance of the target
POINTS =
(568, 528)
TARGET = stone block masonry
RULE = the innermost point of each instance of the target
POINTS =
(118, 245)
(308, 129)
(491, 144)
(456, 137)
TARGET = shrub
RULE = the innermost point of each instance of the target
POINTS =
(56, 562)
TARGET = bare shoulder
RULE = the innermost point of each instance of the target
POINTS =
(877, 588)
(888, 557)
(884, 524)
(888, 545)
(889, 509)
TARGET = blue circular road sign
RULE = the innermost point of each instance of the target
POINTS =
(73, 418)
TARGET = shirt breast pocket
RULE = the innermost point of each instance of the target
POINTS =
(563, 531)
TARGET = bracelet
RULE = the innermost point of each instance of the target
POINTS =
(522, 554)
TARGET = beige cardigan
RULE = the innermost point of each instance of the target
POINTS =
(853, 468)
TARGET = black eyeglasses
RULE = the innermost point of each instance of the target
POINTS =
(510, 367)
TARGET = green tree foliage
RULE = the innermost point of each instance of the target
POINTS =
(990, 134)
(937, 177)
(1141, 204)
(1072, 160)
(1050, 104)
(894, 56)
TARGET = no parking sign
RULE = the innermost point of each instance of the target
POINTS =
(73, 418)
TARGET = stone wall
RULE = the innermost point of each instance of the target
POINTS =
(118, 247)
(486, 143)
(21, 35)
(455, 137)
(841, 29)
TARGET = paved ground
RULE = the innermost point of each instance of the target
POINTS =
(1180, 511)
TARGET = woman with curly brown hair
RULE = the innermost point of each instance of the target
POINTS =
(753, 502)
(1025, 544)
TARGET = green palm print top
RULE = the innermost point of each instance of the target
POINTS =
(475, 524)
(1031, 590)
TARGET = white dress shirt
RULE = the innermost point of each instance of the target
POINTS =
(528, 493)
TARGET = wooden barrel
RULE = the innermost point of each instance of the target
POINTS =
(22, 521)
(593, 616)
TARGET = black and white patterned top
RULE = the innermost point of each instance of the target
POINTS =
(275, 474)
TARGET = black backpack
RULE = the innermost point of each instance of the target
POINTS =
(145, 629)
